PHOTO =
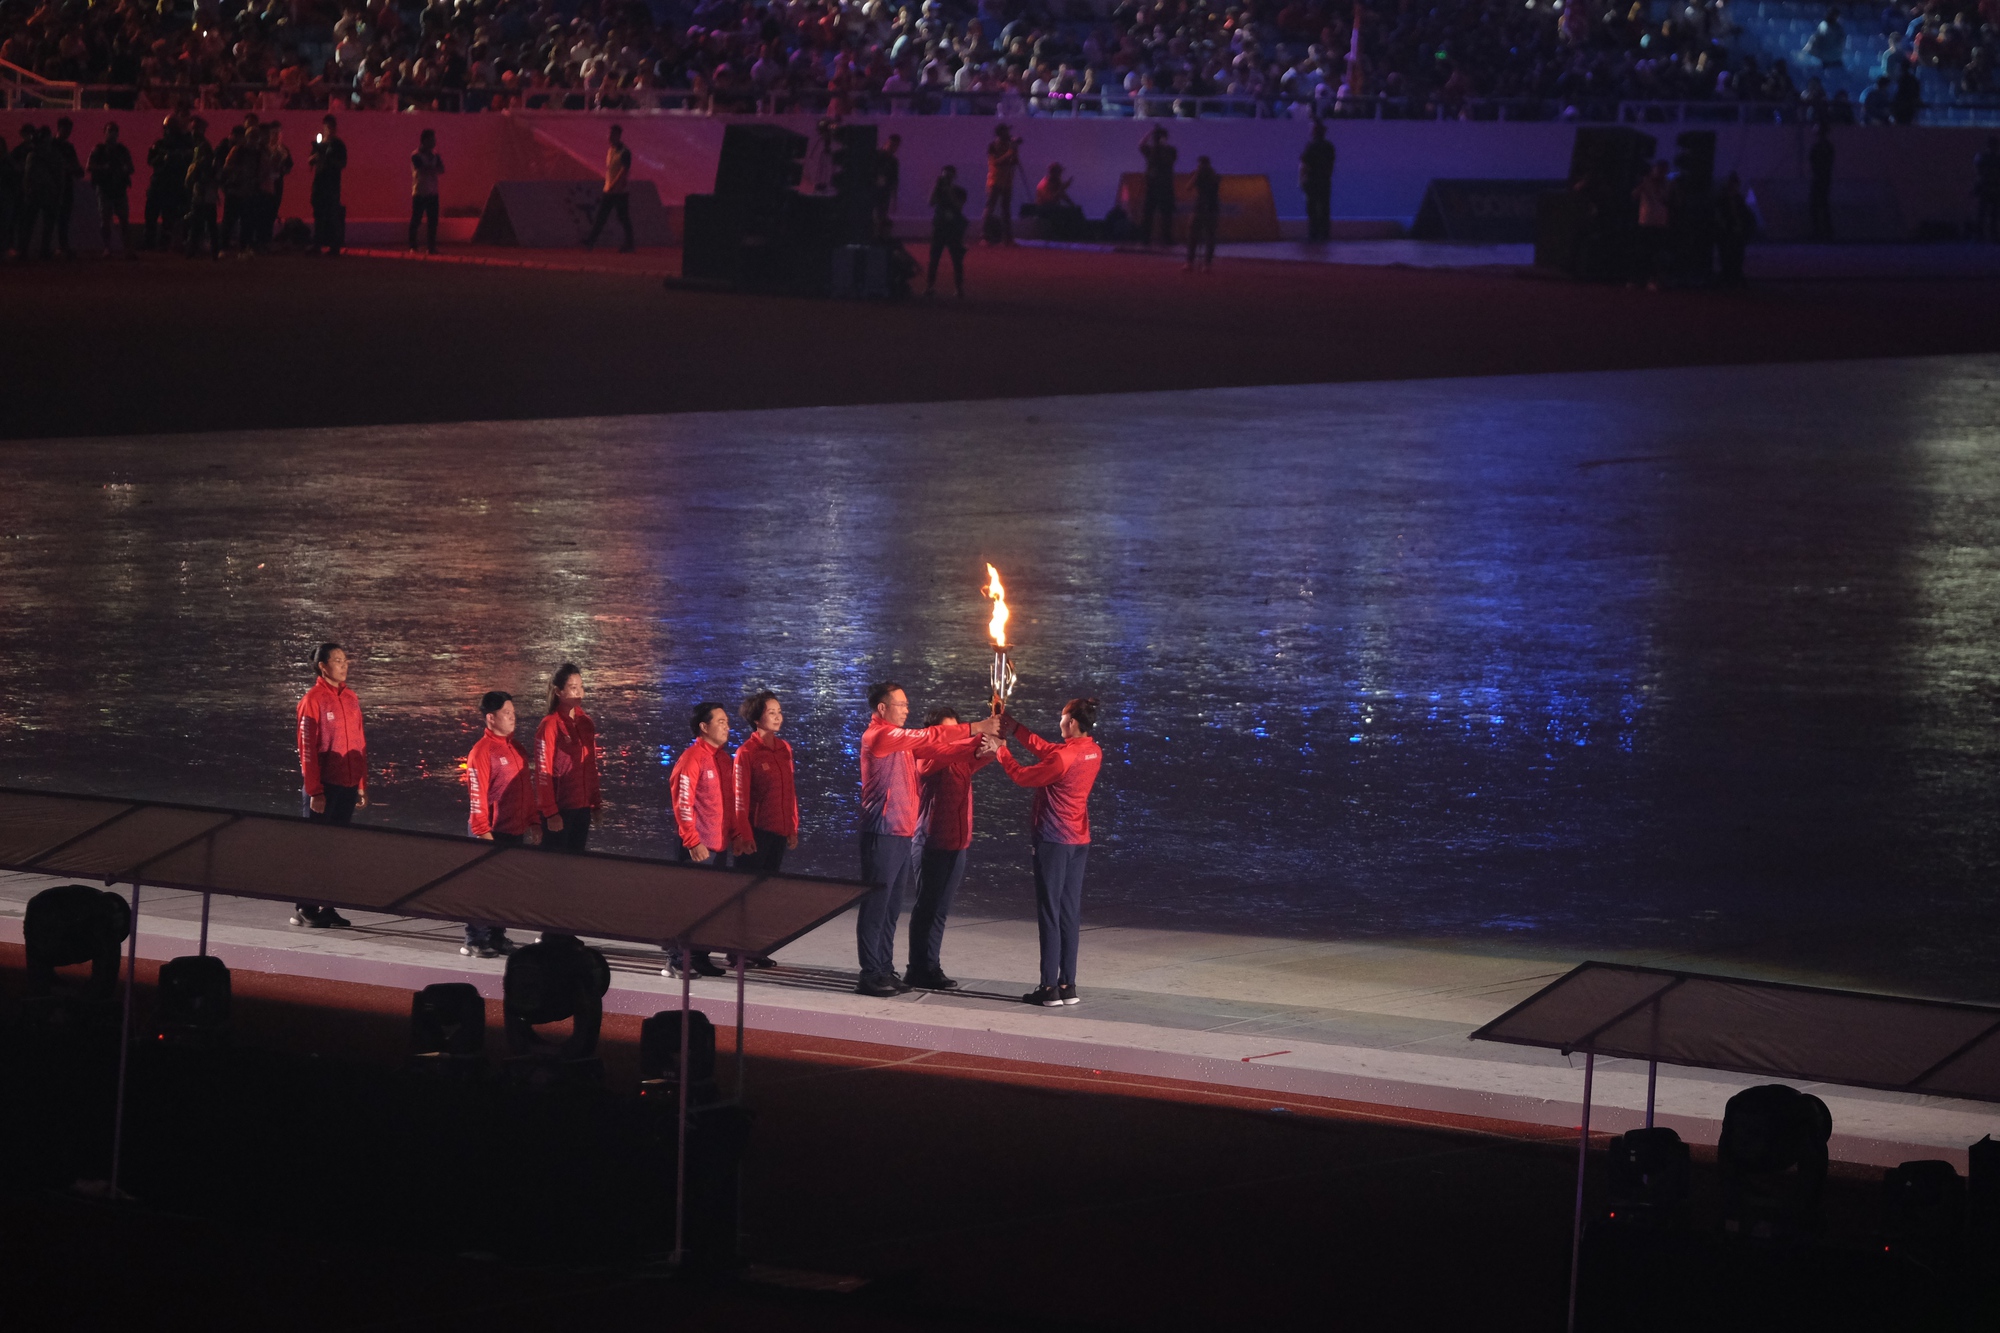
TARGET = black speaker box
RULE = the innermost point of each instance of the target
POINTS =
(660, 1045)
(448, 1019)
(759, 161)
(194, 995)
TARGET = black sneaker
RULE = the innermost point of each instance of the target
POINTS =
(503, 945)
(882, 988)
(332, 920)
(929, 980)
(1068, 995)
(489, 950)
(704, 966)
(1046, 996)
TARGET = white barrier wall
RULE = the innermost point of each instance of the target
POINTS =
(1383, 165)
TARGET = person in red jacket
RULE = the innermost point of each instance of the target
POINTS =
(944, 819)
(333, 758)
(890, 804)
(703, 788)
(566, 791)
(767, 801)
(497, 774)
(1062, 778)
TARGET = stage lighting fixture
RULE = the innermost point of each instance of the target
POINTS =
(545, 983)
(194, 1000)
(1649, 1174)
(1773, 1159)
(74, 923)
(448, 1027)
(1923, 1207)
(660, 1058)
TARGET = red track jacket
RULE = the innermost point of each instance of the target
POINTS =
(1062, 780)
(766, 794)
(566, 764)
(497, 773)
(945, 781)
(890, 801)
(704, 795)
(331, 746)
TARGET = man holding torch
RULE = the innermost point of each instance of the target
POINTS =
(890, 803)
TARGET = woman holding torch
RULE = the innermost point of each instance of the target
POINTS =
(1062, 777)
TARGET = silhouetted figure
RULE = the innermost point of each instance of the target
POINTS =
(617, 196)
(948, 223)
(327, 161)
(1316, 179)
(1160, 156)
(111, 173)
(426, 166)
(1207, 214)
(166, 188)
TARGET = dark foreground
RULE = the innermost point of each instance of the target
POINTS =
(167, 345)
(965, 1194)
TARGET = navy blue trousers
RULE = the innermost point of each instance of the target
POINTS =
(938, 878)
(889, 869)
(1059, 906)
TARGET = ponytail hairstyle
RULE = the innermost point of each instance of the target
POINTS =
(560, 679)
(752, 711)
(1083, 712)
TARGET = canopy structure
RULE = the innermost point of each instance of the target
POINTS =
(1809, 1033)
(446, 878)
(1767, 1028)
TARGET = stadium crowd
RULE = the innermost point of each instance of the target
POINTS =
(1012, 57)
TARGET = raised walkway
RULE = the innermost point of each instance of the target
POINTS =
(1380, 1024)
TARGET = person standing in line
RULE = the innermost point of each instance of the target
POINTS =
(271, 185)
(326, 161)
(1003, 164)
(202, 176)
(1062, 778)
(1316, 179)
(69, 170)
(767, 801)
(888, 182)
(567, 794)
(166, 188)
(944, 823)
(891, 800)
(241, 166)
(1821, 206)
(1207, 215)
(1986, 190)
(497, 776)
(333, 759)
(1160, 157)
(948, 225)
(617, 196)
(111, 173)
(703, 789)
(425, 169)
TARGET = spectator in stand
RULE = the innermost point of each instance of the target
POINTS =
(1207, 215)
(327, 161)
(111, 173)
(1986, 190)
(1909, 98)
(1821, 194)
(69, 170)
(1003, 164)
(1828, 43)
(1159, 156)
(166, 188)
(425, 169)
(1876, 103)
(948, 223)
(617, 196)
(1316, 179)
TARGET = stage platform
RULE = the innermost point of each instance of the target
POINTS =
(1381, 1024)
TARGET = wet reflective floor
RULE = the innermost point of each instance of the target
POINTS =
(1693, 662)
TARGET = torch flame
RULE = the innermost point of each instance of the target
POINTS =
(997, 627)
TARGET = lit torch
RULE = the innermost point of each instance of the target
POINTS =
(1003, 670)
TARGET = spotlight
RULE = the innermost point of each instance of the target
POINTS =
(1924, 1207)
(545, 983)
(448, 1028)
(1649, 1173)
(1773, 1159)
(194, 1001)
(660, 1058)
(74, 923)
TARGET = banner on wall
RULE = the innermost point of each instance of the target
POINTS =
(1494, 212)
(1249, 213)
(558, 214)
